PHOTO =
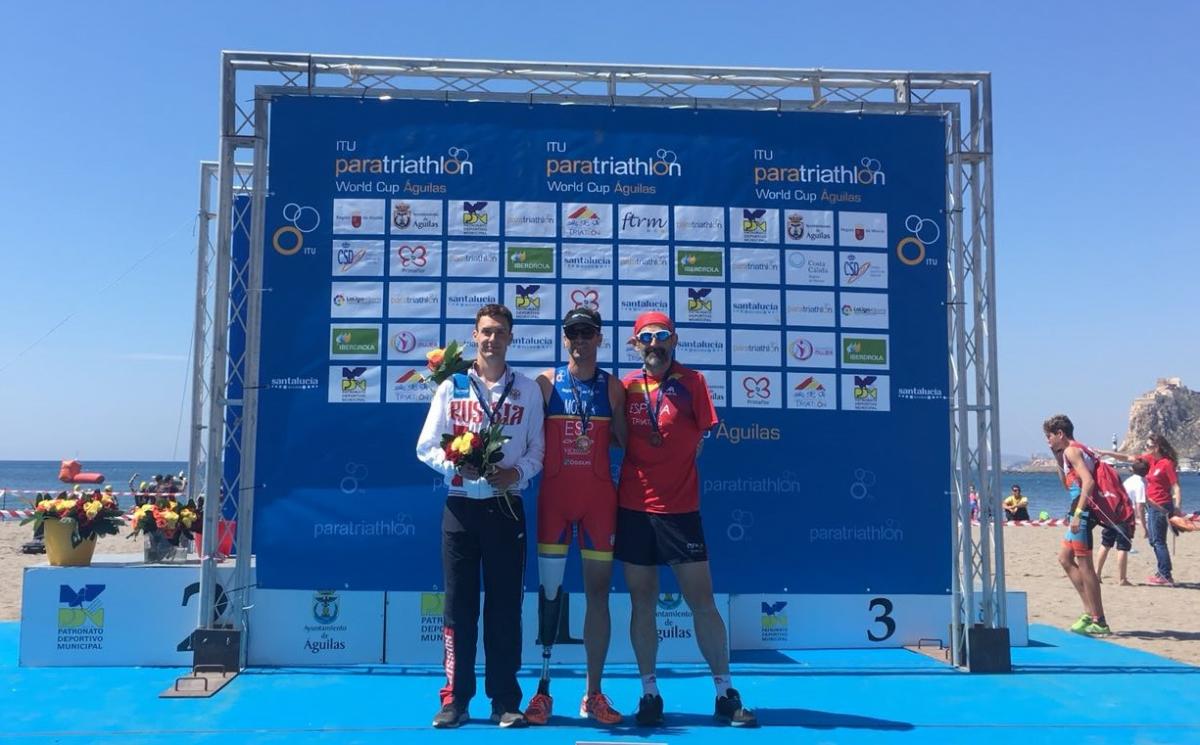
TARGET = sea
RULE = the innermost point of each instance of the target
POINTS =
(1044, 490)
(42, 475)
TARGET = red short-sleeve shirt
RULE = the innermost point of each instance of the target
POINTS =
(1160, 479)
(664, 479)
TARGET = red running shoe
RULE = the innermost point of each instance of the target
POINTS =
(539, 709)
(597, 706)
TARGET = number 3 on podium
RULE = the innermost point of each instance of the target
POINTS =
(885, 618)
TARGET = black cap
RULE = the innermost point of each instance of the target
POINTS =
(582, 317)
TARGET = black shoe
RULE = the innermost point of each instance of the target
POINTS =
(650, 711)
(729, 710)
(449, 716)
(506, 718)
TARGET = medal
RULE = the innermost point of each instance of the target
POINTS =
(656, 440)
(583, 405)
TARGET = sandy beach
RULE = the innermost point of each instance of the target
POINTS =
(1162, 620)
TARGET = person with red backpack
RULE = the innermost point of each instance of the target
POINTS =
(1078, 470)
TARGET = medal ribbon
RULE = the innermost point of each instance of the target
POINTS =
(653, 405)
(584, 414)
(484, 400)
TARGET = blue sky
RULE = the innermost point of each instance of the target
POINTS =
(110, 107)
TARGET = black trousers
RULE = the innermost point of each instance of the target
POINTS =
(481, 534)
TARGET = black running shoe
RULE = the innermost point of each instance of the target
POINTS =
(449, 716)
(508, 718)
(729, 710)
(650, 711)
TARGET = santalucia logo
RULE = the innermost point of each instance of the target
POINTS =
(456, 162)
(867, 172)
(662, 163)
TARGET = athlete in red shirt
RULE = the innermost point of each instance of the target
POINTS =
(668, 410)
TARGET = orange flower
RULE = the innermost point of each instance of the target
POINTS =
(434, 358)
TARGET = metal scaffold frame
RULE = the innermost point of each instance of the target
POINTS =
(249, 80)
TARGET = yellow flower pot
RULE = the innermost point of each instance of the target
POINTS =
(58, 546)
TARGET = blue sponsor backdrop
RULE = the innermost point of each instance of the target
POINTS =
(806, 270)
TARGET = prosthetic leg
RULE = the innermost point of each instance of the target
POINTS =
(549, 619)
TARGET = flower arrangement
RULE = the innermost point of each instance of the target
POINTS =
(88, 514)
(166, 518)
(443, 363)
(480, 450)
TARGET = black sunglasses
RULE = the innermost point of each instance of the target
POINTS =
(580, 332)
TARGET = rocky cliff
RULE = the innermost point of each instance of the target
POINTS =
(1171, 410)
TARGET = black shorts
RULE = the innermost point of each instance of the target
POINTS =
(1120, 538)
(651, 539)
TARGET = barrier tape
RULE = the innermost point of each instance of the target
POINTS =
(22, 514)
(91, 488)
(1059, 522)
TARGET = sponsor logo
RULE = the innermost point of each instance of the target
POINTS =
(402, 215)
(407, 386)
(698, 300)
(294, 383)
(80, 618)
(585, 299)
(802, 349)
(757, 387)
(586, 221)
(650, 261)
(415, 256)
(865, 389)
(662, 163)
(349, 257)
(699, 263)
(358, 215)
(754, 222)
(530, 218)
(808, 227)
(853, 269)
(404, 341)
(644, 221)
(774, 621)
(456, 162)
(699, 224)
(863, 229)
(529, 303)
(673, 617)
(755, 306)
(475, 217)
(858, 351)
(885, 532)
(432, 616)
(810, 268)
(920, 393)
(867, 172)
(810, 392)
(787, 483)
(325, 606)
(850, 309)
(582, 261)
(530, 259)
(355, 341)
(354, 385)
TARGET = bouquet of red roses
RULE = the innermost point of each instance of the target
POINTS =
(443, 363)
(482, 450)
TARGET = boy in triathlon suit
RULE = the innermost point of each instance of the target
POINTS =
(1077, 464)
(585, 409)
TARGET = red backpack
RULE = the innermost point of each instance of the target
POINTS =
(1109, 501)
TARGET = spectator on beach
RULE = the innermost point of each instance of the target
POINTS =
(1077, 467)
(1164, 502)
(973, 498)
(1135, 487)
(1016, 505)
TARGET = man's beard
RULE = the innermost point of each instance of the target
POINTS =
(656, 356)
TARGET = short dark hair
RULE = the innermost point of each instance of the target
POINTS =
(1059, 423)
(1141, 467)
(497, 312)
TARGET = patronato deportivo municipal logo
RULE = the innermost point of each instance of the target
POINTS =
(527, 297)
(475, 213)
(80, 618)
(864, 388)
(354, 385)
(325, 607)
(754, 222)
(432, 612)
(774, 621)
